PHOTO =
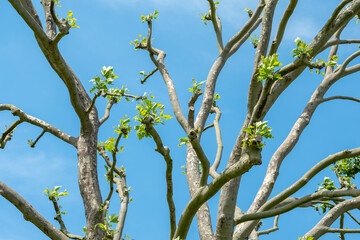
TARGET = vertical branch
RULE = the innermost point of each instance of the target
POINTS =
(165, 152)
(219, 142)
(217, 25)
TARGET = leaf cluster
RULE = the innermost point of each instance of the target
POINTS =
(146, 108)
(327, 184)
(266, 69)
(71, 20)
(196, 87)
(107, 226)
(183, 141)
(347, 169)
(149, 17)
(54, 193)
(205, 17)
(301, 49)
(140, 42)
(254, 132)
(106, 79)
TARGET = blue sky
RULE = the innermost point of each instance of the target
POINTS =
(106, 28)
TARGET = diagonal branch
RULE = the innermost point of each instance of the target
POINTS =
(7, 135)
(282, 26)
(323, 226)
(37, 122)
(30, 214)
(31, 20)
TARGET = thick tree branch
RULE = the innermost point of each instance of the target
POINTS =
(30, 214)
(31, 20)
(37, 122)
(298, 202)
(323, 226)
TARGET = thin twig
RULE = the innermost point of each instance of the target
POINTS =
(37, 139)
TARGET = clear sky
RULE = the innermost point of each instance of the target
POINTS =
(106, 28)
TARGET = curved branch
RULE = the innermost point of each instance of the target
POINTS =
(323, 226)
(273, 229)
(347, 61)
(334, 42)
(160, 64)
(37, 122)
(298, 202)
(340, 97)
(30, 214)
(107, 112)
(220, 146)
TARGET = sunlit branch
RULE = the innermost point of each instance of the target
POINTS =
(323, 226)
(122, 190)
(282, 26)
(107, 112)
(334, 42)
(220, 147)
(30, 214)
(193, 137)
(298, 202)
(217, 25)
(37, 122)
(97, 94)
(343, 66)
(191, 107)
(273, 229)
(160, 64)
(30, 20)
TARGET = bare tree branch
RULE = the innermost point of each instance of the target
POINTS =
(30, 214)
(107, 112)
(282, 26)
(220, 146)
(165, 152)
(323, 226)
(217, 25)
(37, 139)
(273, 229)
(37, 122)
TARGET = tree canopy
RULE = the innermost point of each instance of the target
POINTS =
(99, 79)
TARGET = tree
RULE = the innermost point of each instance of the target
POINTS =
(268, 82)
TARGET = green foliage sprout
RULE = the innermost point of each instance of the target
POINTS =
(347, 169)
(54, 195)
(139, 42)
(196, 87)
(254, 40)
(205, 17)
(301, 49)
(327, 184)
(106, 79)
(71, 20)
(57, 3)
(149, 17)
(107, 226)
(267, 66)
(145, 108)
(255, 131)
